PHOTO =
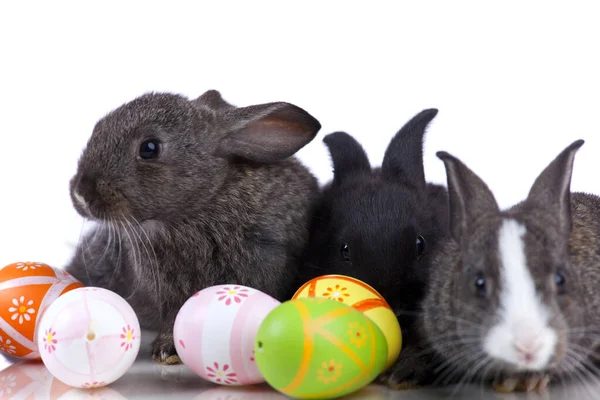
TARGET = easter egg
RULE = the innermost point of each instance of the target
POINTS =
(362, 297)
(215, 329)
(89, 337)
(26, 290)
(318, 348)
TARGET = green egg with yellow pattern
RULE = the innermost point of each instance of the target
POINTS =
(317, 348)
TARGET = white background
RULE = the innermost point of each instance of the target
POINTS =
(515, 83)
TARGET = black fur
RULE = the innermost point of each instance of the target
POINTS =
(379, 213)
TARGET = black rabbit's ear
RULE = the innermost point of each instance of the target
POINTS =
(469, 197)
(348, 156)
(266, 133)
(551, 191)
(212, 100)
(403, 160)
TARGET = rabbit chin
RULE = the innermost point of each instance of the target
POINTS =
(522, 337)
(529, 351)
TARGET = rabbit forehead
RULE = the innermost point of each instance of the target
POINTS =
(518, 286)
(164, 110)
(167, 117)
(376, 208)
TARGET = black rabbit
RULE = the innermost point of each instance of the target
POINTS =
(189, 194)
(379, 225)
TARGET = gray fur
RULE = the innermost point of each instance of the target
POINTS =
(224, 203)
(562, 234)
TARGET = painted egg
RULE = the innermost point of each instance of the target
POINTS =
(362, 297)
(215, 330)
(318, 348)
(26, 290)
(89, 337)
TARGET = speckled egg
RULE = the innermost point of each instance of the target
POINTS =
(318, 348)
(89, 337)
(215, 330)
(26, 290)
(362, 297)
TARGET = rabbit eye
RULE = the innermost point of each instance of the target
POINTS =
(420, 246)
(560, 280)
(480, 288)
(345, 252)
(149, 149)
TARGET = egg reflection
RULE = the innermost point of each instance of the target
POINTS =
(31, 380)
(240, 393)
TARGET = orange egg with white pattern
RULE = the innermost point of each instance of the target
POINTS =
(362, 297)
(26, 290)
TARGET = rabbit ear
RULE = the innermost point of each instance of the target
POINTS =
(551, 191)
(212, 100)
(266, 132)
(348, 156)
(403, 160)
(469, 197)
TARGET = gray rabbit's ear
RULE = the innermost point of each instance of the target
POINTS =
(403, 159)
(266, 132)
(348, 156)
(551, 191)
(469, 197)
(213, 101)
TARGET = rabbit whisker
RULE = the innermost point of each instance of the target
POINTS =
(579, 372)
(85, 246)
(108, 244)
(153, 259)
(591, 353)
(469, 376)
(471, 349)
(484, 377)
(133, 248)
(451, 368)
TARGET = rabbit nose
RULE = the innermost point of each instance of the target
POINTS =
(527, 349)
(85, 190)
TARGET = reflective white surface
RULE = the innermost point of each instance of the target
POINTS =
(148, 380)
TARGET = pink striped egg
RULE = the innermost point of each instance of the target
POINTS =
(215, 330)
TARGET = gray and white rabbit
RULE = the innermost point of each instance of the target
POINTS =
(514, 297)
(192, 193)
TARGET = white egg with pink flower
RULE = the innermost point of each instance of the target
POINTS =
(89, 337)
(215, 331)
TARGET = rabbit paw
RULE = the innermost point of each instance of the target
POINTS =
(397, 378)
(163, 350)
(408, 373)
(527, 383)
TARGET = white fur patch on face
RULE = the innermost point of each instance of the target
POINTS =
(523, 337)
(79, 198)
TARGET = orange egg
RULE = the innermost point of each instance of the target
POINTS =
(26, 290)
(364, 298)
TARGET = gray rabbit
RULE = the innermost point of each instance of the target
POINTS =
(192, 193)
(513, 298)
